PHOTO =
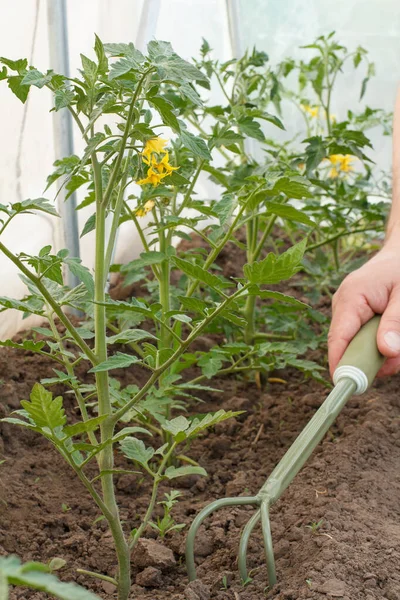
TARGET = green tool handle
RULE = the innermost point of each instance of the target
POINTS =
(362, 359)
(360, 363)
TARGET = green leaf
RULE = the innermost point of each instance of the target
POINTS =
(123, 66)
(135, 449)
(128, 431)
(15, 65)
(117, 361)
(255, 290)
(15, 84)
(210, 365)
(89, 70)
(274, 269)
(252, 128)
(165, 109)
(193, 304)
(225, 137)
(170, 65)
(36, 78)
(101, 56)
(225, 207)
(63, 98)
(84, 427)
(201, 424)
(130, 336)
(290, 213)
(200, 274)
(174, 472)
(316, 151)
(195, 144)
(90, 225)
(29, 345)
(176, 426)
(36, 576)
(40, 204)
(43, 409)
(292, 188)
(26, 306)
(79, 270)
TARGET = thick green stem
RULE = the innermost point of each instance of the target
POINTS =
(106, 458)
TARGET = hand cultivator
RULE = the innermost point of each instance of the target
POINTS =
(354, 375)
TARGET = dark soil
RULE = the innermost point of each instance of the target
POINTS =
(350, 487)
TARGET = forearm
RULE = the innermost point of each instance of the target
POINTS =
(393, 228)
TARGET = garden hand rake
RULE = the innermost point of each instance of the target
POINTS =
(354, 374)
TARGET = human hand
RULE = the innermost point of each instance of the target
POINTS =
(372, 289)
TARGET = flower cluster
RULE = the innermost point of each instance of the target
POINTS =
(342, 163)
(313, 111)
(157, 159)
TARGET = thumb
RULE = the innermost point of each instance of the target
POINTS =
(389, 329)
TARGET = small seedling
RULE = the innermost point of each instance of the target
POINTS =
(166, 524)
(65, 508)
(315, 526)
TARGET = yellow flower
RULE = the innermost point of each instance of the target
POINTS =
(333, 118)
(149, 205)
(333, 173)
(164, 166)
(341, 162)
(152, 177)
(313, 111)
(156, 145)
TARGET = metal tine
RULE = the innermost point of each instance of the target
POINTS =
(203, 514)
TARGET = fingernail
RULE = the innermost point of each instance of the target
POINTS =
(392, 339)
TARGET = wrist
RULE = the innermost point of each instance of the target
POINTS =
(392, 239)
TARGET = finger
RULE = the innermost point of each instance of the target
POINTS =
(389, 329)
(390, 367)
(348, 317)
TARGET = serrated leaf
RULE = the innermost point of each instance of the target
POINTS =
(126, 431)
(175, 426)
(43, 409)
(174, 472)
(79, 270)
(135, 449)
(123, 66)
(101, 56)
(18, 65)
(210, 365)
(63, 98)
(274, 269)
(90, 225)
(201, 424)
(200, 274)
(225, 207)
(193, 304)
(117, 361)
(29, 345)
(252, 128)
(129, 336)
(40, 204)
(290, 213)
(165, 109)
(84, 426)
(277, 296)
(195, 144)
(36, 78)
(15, 84)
